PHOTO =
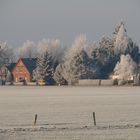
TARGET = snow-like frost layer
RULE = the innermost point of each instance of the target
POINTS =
(65, 113)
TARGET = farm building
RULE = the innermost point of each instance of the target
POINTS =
(5, 72)
(23, 69)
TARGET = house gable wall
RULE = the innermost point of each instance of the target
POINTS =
(20, 71)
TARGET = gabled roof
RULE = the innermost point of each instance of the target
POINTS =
(10, 66)
(30, 63)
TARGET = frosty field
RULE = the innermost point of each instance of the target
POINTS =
(65, 113)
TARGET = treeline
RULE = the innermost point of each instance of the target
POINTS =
(83, 60)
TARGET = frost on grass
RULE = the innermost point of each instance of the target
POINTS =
(66, 113)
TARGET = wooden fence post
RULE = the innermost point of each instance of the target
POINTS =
(94, 119)
(35, 119)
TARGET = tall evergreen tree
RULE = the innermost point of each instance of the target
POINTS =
(124, 44)
(44, 68)
(48, 69)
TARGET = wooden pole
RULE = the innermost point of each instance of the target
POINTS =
(35, 119)
(94, 119)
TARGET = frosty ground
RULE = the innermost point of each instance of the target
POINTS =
(65, 113)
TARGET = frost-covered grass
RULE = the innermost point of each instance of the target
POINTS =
(65, 113)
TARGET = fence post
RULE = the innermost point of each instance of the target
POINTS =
(35, 119)
(94, 119)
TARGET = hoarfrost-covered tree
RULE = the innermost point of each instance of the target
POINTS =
(44, 68)
(53, 47)
(6, 54)
(103, 57)
(92, 46)
(105, 50)
(85, 68)
(124, 44)
(77, 67)
(76, 63)
(59, 75)
(9, 77)
(121, 39)
(71, 67)
(27, 50)
(79, 44)
(125, 68)
(117, 28)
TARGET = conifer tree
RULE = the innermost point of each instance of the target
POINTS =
(44, 68)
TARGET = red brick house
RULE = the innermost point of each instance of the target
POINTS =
(24, 69)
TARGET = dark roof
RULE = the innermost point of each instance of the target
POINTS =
(30, 63)
(10, 66)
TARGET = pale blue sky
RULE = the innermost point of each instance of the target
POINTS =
(22, 20)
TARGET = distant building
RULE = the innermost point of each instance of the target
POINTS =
(114, 76)
(131, 77)
(6, 70)
(117, 77)
(137, 80)
(24, 69)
